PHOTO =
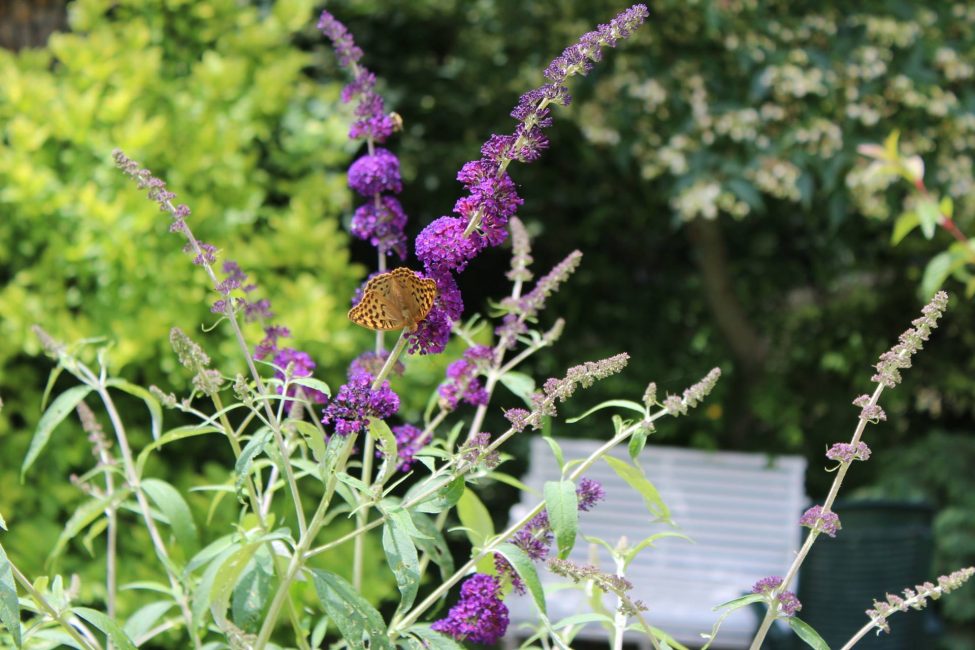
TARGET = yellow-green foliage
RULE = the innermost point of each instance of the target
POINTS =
(215, 97)
(212, 96)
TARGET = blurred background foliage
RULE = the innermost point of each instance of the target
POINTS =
(708, 172)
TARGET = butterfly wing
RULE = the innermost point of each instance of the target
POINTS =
(379, 308)
(394, 300)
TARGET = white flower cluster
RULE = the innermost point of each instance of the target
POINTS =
(777, 177)
(821, 137)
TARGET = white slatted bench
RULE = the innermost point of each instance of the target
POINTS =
(741, 510)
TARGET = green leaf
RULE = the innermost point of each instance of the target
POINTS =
(947, 207)
(53, 416)
(739, 602)
(562, 505)
(635, 479)
(637, 442)
(433, 544)
(905, 223)
(83, 516)
(523, 564)
(174, 507)
(434, 640)
(553, 444)
(251, 594)
(508, 479)
(402, 556)
(9, 606)
(3, 523)
(227, 577)
(805, 632)
(381, 433)
(618, 403)
(444, 498)
(145, 618)
(928, 216)
(631, 553)
(247, 455)
(179, 433)
(937, 271)
(354, 617)
(520, 384)
(312, 383)
(313, 438)
(109, 627)
(474, 516)
(155, 410)
(204, 588)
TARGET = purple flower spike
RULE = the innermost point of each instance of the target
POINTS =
(788, 602)
(462, 379)
(409, 440)
(443, 247)
(350, 409)
(382, 225)
(301, 366)
(376, 173)
(821, 521)
(479, 616)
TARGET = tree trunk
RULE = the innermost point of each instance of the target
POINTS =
(29, 23)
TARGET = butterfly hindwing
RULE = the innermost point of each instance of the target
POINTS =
(394, 300)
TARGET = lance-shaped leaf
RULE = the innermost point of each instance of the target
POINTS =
(9, 607)
(474, 516)
(635, 479)
(401, 555)
(562, 505)
(174, 507)
(52, 417)
(525, 568)
(806, 632)
(357, 620)
(115, 634)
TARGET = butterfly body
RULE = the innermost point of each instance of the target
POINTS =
(394, 300)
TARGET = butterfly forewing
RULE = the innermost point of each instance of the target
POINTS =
(394, 300)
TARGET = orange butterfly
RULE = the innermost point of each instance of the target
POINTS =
(394, 300)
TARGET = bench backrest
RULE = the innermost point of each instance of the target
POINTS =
(741, 510)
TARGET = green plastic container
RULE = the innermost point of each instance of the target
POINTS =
(883, 547)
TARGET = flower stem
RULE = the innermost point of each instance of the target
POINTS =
(48, 609)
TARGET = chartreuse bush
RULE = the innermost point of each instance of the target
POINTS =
(312, 469)
(218, 94)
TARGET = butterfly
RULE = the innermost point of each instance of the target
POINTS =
(394, 300)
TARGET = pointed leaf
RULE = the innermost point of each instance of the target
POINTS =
(179, 433)
(174, 507)
(145, 618)
(474, 516)
(155, 411)
(227, 577)
(433, 544)
(928, 216)
(251, 595)
(83, 516)
(562, 505)
(402, 556)
(354, 617)
(523, 564)
(381, 433)
(444, 498)
(618, 403)
(52, 417)
(520, 384)
(635, 478)
(905, 223)
(556, 450)
(312, 383)
(806, 632)
(637, 442)
(9, 606)
(247, 455)
(115, 634)
(434, 640)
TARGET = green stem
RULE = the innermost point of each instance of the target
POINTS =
(57, 616)
(800, 557)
